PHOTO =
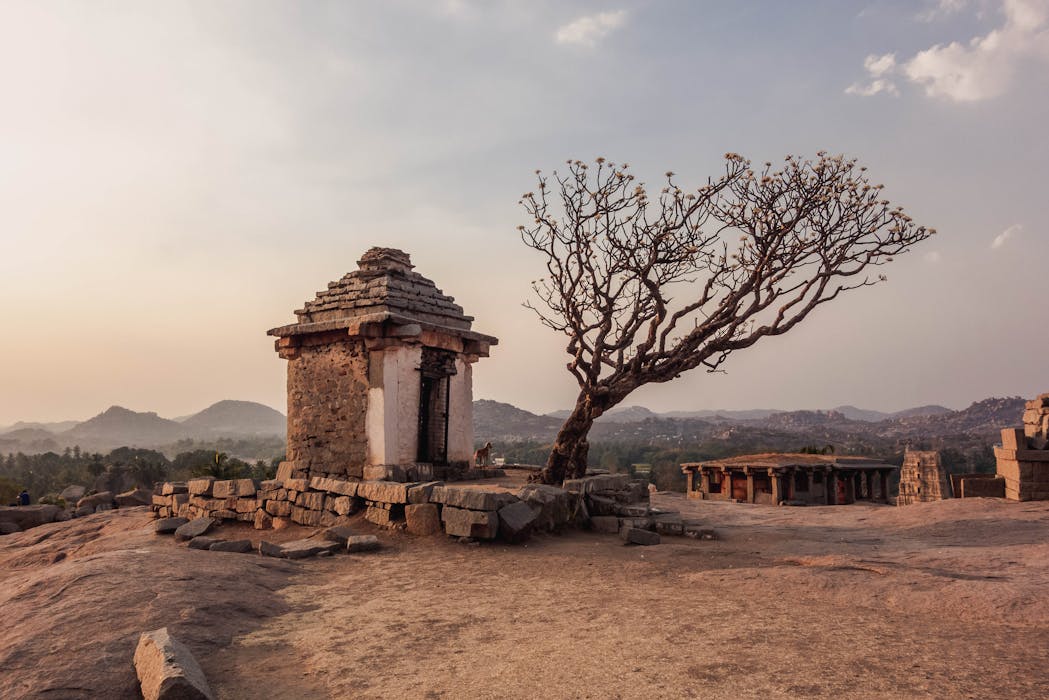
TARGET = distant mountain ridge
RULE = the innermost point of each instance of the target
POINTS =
(631, 414)
(118, 426)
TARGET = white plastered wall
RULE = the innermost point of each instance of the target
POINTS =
(393, 406)
(460, 413)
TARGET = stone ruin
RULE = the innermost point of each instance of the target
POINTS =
(380, 377)
(922, 478)
(1023, 458)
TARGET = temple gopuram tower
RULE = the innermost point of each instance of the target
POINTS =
(379, 376)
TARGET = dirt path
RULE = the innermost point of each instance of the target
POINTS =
(940, 600)
(945, 600)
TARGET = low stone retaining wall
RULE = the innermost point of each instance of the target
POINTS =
(605, 502)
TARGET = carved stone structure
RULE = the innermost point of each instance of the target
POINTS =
(379, 376)
(1023, 458)
(922, 478)
(803, 478)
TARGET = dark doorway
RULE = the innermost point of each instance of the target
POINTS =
(437, 367)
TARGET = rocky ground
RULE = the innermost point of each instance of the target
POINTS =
(947, 599)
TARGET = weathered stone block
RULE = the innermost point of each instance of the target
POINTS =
(633, 535)
(194, 528)
(553, 505)
(201, 486)
(173, 487)
(382, 516)
(296, 484)
(339, 487)
(246, 505)
(422, 518)
(300, 549)
(245, 487)
(362, 543)
(605, 523)
(421, 493)
(237, 546)
(516, 521)
(279, 508)
(168, 526)
(167, 670)
(222, 489)
(472, 499)
(304, 516)
(160, 501)
(383, 491)
(314, 500)
(262, 520)
(269, 549)
(462, 522)
(95, 500)
(1014, 439)
(385, 472)
(344, 505)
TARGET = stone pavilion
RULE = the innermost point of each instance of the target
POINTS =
(380, 376)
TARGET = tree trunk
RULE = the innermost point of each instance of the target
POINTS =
(568, 458)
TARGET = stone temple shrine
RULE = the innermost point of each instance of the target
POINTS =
(379, 376)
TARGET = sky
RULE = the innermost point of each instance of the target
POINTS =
(177, 177)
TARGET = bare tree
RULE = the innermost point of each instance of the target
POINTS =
(646, 289)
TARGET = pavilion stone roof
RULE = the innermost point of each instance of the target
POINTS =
(783, 459)
(383, 288)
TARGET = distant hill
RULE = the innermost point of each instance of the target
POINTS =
(53, 428)
(118, 426)
(619, 414)
(502, 422)
(922, 411)
(235, 418)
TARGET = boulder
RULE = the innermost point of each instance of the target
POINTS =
(362, 543)
(168, 526)
(167, 670)
(135, 497)
(422, 519)
(516, 521)
(237, 546)
(8, 528)
(72, 494)
(95, 500)
(553, 505)
(471, 499)
(26, 517)
(478, 524)
(204, 542)
(634, 535)
(269, 549)
(194, 528)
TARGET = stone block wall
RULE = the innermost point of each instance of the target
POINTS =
(328, 405)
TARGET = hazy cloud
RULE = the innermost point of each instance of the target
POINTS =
(590, 29)
(941, 8)
(879, 69)
(978, 70)
(1001, 239)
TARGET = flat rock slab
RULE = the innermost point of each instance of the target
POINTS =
(478, 524)
(167, 670)
(236, 546)
(194, 528)
(134, 497)
(168, 526)
(300, 549)
(204, 542)
(26, 517)
(605, 523)
(362, 543)
(553, 504)
(335, 486)
(338, 534)
(421, 493)
(471, 499)
(633, 535)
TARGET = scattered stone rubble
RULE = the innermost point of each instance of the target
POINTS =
(611, 503)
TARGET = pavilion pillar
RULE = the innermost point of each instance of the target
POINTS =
(883, 475)
(750, 484)
(777, 494)
(704, 483)
(832, 488)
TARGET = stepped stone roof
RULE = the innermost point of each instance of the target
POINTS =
(383, 288)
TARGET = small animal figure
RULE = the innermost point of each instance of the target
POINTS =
(483, 456)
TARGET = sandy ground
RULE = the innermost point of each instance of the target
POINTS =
(947, 600)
